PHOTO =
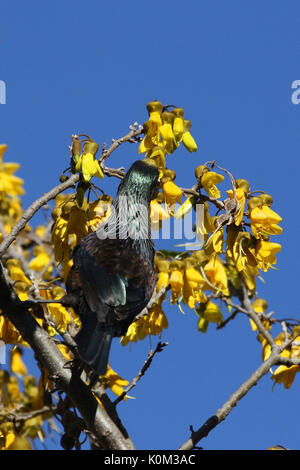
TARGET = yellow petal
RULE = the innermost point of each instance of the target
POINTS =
(178, 128)
(189, 142)
(16, 364)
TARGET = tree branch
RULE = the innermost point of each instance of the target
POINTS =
(145, 367)
(66, 379)
(71, 181)
(275, 358)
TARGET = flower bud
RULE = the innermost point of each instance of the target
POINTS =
(243, 184)
(178, 112)
(190, 262)
(200, 170)
(266, 199)
(76, 147)
(187, 125)
(154, 106)
(163, 265)
(260, 305)
(67, 207)
(90, 147)
(254, 202)
(168, 175)
(177, 265)
(63, 178)
(168, 117)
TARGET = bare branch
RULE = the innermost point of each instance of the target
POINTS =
(145, 367)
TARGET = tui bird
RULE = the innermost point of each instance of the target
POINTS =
(113, 274)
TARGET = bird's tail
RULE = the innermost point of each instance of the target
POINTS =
(94, 342)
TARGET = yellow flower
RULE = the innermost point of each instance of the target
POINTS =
(156, 319)
(163, 266)
(178, 128)
(87, 163)
(157, 214)
(193, 283)
(264, 222)
(8, 333)
(176, 280)
(6, 440)
(266, 349)
(99, 211)
(158, 156)
(243, 252)
(208, 312)
(151, 324)
(89, 167)
(260, 306)
(16, 364)
(115, 382)
(248, 275)
(215, 244)
(58, 312)
(151, 139)
(216, 274)
(202, 324)
(70, 220)
(9, 184)
(285, 375)
(59, 237)
(204, 224)
(18, 443)
(178, 124)
(40, 261)
(187, 139)
(65, 351)
(265, 254)
(167, 137)
(15, 271)
(241, 199)
(212, 313)
(186, 207)
(172, 193)
(131, 334)
(208, 180)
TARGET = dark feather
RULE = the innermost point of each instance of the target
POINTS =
(113, 274)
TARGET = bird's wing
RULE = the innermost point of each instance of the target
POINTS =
(100, 287)
(113, 274)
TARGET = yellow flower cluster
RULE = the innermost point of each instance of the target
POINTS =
(72, 223)
(19, 394)
(190, 278)
(284, 374)
(113, 381)
(86, 163)
(164, 131)
(151, 324)
(11, 187)
(247, 252)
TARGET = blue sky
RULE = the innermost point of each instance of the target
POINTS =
(91, 67)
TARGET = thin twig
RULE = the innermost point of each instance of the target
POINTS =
(145, 367)
(70, 182)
